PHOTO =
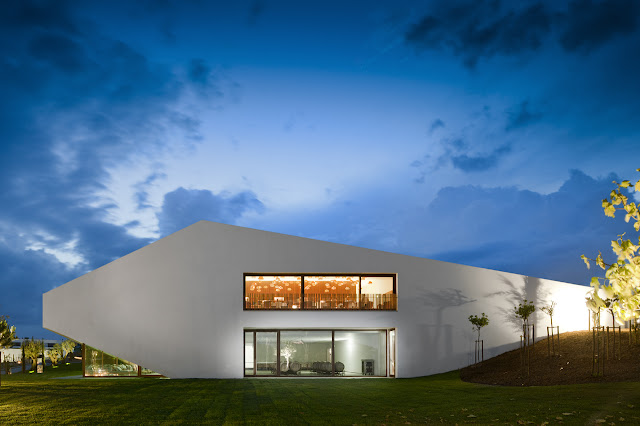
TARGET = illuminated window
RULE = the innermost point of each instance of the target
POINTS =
(320, 292)
(97, 363)
(325, 353)
(272, 292)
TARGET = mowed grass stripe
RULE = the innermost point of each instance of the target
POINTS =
(29, 399)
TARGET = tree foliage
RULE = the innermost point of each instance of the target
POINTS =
(67, 347)
(549, 310)
(32, 349)
(7, 332)
(524, 310)
(478, 322)
(55, 353)
(621, 281)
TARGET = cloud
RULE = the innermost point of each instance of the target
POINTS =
(480, 163)
(477, 30)
(435, 125)
(592, 23)
(474, 30)
(256, 10)
(521, 231)
(59, 51)
(77, 103)
(502, 228)
(26, 274)
(141, 196)
(184, 207)
(521, 116)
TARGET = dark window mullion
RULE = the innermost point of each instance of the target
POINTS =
(333, 352)
(255, 354)
(278, 353)
(302, 292)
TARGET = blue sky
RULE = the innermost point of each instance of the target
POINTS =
(477, 132)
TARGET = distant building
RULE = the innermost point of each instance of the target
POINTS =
(14, 352)
(215, 300)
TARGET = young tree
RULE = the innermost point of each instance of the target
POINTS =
(32, 349)
(549, 310)
(55, 354)
(67, 347)
(523, 311)
(7, 334)
(621, 281)
(478, 322)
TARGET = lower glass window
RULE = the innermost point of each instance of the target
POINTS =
(98, 363)
(307, 353)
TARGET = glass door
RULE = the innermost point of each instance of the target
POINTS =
(266, 353)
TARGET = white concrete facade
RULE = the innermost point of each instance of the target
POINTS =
(176, 306)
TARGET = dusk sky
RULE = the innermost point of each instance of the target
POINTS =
(481, 133)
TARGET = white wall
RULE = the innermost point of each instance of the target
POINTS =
(175, 306)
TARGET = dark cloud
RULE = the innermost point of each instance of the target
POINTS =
(59, 51)
(255, 11)
(141, 196)
(199, 71)
(480, 163)
(476, 30)
(184, 207)
(435, 125)
(76, 104)
(521, 116)
(481, 29)
(26, 274)
(508, 229)
(592, 23)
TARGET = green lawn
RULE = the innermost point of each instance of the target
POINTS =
(30, 398)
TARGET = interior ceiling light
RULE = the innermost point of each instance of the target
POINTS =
(261, 278)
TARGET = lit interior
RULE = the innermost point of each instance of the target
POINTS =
(320, 292)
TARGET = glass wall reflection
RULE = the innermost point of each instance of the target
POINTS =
(248, 353)
(363, 353)
(100, 364)
(266, 353)
(305, 353)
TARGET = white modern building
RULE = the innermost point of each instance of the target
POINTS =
(221, 301)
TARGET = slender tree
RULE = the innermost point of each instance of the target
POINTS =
(478, 322)
(523, 311)
(549, 310)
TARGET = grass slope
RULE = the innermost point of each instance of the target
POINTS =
(444, 398)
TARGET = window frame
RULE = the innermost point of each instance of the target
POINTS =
(333, 331)
(302, 307)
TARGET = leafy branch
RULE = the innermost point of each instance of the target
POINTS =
(621, 282)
